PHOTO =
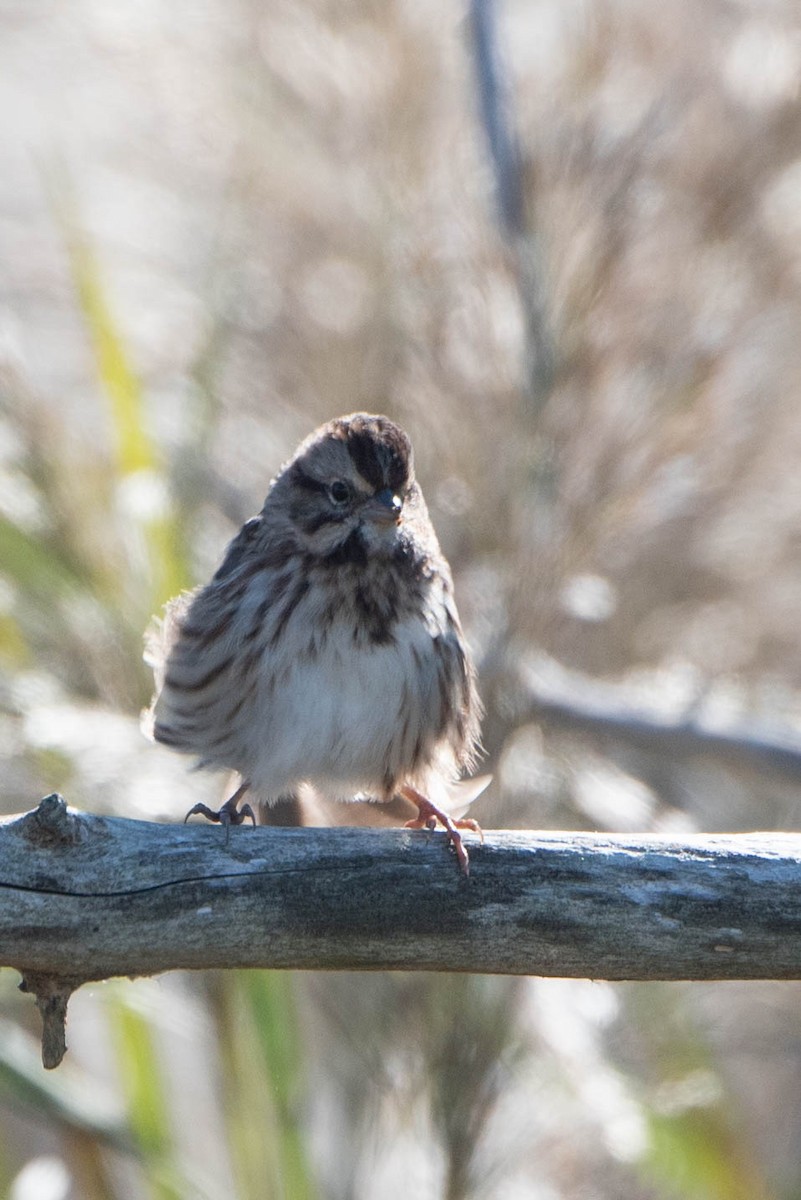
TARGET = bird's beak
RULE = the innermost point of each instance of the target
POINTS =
(384, 508)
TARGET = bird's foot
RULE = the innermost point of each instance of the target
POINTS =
(429, 816)
(228, 814)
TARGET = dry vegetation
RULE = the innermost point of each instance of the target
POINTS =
(223, 223)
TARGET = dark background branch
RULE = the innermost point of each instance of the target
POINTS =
(516, 213)
(605, 711)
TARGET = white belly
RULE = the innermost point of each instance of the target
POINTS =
(340, 721)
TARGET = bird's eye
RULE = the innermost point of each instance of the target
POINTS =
(339, 492)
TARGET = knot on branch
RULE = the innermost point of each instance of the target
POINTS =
(51, 824)
(52, 994)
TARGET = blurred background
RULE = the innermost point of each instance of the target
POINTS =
(560, 243)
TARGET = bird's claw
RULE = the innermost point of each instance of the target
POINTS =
(227, 815)
(429, 816)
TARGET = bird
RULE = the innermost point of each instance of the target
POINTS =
(326, 651)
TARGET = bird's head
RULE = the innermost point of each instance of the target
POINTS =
(350, 488)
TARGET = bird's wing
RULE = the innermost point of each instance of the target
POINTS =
(239, 547)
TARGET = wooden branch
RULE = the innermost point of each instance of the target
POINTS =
(88, 897)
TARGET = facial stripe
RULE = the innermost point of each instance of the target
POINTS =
(315, 521)
(307, 482)
(381, 461)
(379, 450)
(351, 552)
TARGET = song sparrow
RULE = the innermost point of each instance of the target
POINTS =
(327, 649)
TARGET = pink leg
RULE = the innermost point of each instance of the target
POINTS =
(428, 816)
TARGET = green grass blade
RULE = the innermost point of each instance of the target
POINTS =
(270, 995)
(32, 563)
(135, 450)
(262, 1059)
